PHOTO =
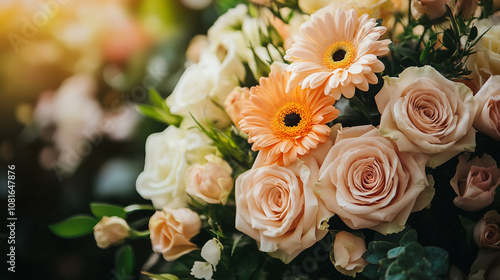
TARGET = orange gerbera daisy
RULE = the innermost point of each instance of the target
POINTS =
(337, 52)
(285, 125)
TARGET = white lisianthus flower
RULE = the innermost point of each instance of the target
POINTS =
(204, 86)
(168, 156)
(202, 270)
(211, 252)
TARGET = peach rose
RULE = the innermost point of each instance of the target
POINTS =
(475, 182)
(234, 104)
(369, 183)
(278, 208)
(348, 251)
(211, 182)
(110, 231)
(487, 231)
(422, 111)
(433, 9)
(487, 118)
(171, 230)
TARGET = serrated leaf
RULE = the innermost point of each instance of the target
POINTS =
(124, 261)
(164, 276)
(103, 209)
(75, 226)
(410, 236)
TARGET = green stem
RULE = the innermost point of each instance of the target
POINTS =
(362, 108)
(421, 38)
(135, 234)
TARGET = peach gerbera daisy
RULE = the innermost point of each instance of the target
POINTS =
(285, 125)
(337, 51)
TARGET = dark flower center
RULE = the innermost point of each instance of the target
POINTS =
(292, 119)
(339, 55)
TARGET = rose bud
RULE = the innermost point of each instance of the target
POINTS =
(110, 231)
(487, 232)
(348, 250)
(234, 104)
(475, 182)
(433, 9)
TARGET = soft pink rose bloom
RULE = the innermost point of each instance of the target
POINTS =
(434, 9)
(475, 182)
(369, 183)
(424, 112)
(278, 208)
(348, 251)
(487, 231)
(487, 118)
(486, 266)
(210, 182)
(234, 104)
(110, 231)
(171, 230)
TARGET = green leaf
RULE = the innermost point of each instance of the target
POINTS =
(395, 252)
(472, 34)
(438, 258)
(102, 209)
(448, 39)
(75, 226)
(468, 225)
(382, 246)
(165, 276)
(410, 236)
(124, 261)
(414, 250)
(426, 52)
(157, 100)
(371, 271)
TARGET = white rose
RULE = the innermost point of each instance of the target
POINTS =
(168, 156)
(486, 61)
(110, 231)
(204, 86)
(424, 112)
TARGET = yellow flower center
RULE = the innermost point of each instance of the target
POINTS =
(339, 55)
(292, 120)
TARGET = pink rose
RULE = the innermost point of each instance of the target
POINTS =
(348, 251)
(110, 231)
(211, 182)
(487, 232)
(424, 112)
(369, 183)
(171, 231)
(487, 118)
(433, 9)
(475, 182)
(278, 208)
(234, 104)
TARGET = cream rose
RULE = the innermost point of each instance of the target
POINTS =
(278, 208)
(374, 8)
(204, 86)
(485, 62)
(348, 251)
(487, 118)
(171, 230)
(433, 9)
(234, 103)
(422, 111)
(211, 182)
(369, 183)
(168, 156)
(487, 231)
(475, 182)
(110, 231)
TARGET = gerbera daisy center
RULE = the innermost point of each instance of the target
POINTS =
(292, 120)
(339, 55)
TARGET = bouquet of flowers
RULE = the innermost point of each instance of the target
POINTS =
(322, 140)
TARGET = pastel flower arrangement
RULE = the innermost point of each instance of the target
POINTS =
(315, 139)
